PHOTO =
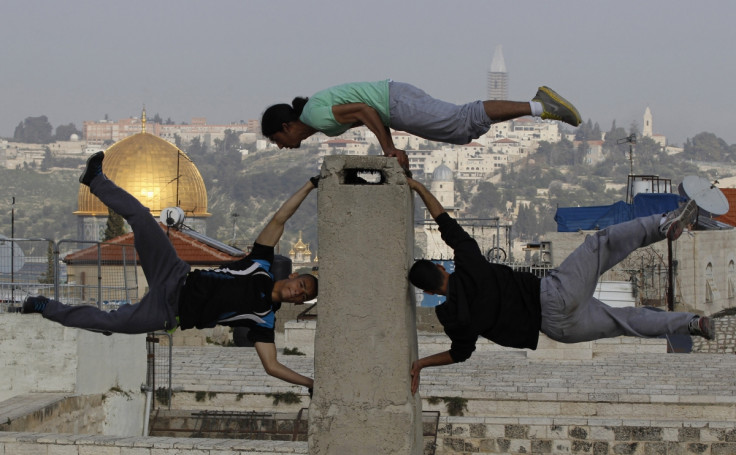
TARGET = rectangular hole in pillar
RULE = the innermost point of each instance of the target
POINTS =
(363, 177)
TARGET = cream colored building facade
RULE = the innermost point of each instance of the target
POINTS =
(97, 133)
(705, 276)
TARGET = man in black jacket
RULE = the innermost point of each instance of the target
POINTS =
(511, 308)
(242, 293)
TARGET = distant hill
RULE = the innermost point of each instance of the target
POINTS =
(254, 189)
(243, 193)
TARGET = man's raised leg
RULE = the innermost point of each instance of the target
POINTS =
(577, 276)
(163, 269)
(571, 314)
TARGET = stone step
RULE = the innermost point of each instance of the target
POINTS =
(499, 383)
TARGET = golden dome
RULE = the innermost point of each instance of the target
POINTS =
(300, 246)
(146, 166)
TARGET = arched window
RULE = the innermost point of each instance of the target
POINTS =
(710, 288)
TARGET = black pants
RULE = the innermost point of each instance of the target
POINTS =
(163, 269)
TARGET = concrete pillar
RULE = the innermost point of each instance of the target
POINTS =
(366, 333)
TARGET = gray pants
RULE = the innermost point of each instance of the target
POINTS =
(412, 110)
(571, 314)
(163, 269)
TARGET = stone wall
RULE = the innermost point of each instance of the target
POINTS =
(584, 436)
(59, 444)
(693, 252)
(54, 413)
(456, 435)
(41, 357)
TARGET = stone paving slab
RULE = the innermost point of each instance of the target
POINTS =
(23, 405)
(35, 443)
(688, 378)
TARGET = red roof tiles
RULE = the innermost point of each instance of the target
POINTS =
(189, 250)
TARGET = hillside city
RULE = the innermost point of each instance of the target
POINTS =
(520, 170)
(81, 392)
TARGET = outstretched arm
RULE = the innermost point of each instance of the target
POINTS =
(362, 114)
(433, 205)
(267, 354)
(271, 234)
(443, 358)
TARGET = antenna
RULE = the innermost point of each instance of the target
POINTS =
(631, 140)
(234, 216)
(172, 217)
(709, 198)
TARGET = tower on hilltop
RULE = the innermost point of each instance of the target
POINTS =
(647, 127)
(498, 78)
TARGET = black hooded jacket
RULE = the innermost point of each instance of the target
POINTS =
(485, 299)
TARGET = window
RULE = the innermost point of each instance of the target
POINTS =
(711, 291)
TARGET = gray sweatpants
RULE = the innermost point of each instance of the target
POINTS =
(412, 110)
(571, 314)
(163, 269)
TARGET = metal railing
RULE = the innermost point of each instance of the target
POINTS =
(158, 372)
(71, 271)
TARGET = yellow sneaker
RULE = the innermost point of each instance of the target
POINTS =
(557, 107)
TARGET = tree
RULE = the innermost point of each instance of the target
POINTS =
(64, 132)
(48, 276)
(707, 147)
(196, 149)
(545, 150)
(486, 201)
(461, 190)
(232, 141)
(563, 153)
(526, 221)
(34, 130)
(115, 226)
(612, 138)
(48, 159)
(588, 132)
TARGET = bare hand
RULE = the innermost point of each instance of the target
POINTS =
(400, 156)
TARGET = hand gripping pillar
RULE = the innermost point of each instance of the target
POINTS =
(366, 332)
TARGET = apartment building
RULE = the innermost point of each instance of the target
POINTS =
(97, 133)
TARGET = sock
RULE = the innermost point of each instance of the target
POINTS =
(39, 303)
(694, 325)
(537, 108)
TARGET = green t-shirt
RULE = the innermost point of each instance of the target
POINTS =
(317, 112)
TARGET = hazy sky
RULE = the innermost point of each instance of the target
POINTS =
(227, 60)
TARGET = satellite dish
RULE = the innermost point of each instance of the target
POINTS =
(19, 259)
(172, 216)
(708, 197)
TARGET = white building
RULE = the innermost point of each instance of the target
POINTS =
(343, 147)
(648, 129)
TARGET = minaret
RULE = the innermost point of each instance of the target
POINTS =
(647, 128)
(498, 78)
(443, 186)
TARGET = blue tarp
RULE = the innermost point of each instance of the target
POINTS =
(572, 219)
(646, 204)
